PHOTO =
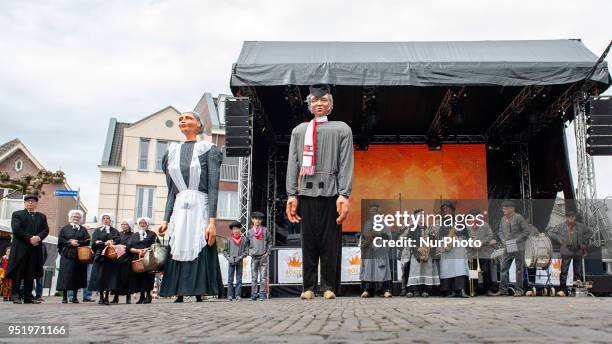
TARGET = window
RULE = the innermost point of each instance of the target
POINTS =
(144, 201)
(11, 203)
(143, 155)
(227, 206)
(18, 165)
(229, 169)
(161, 148)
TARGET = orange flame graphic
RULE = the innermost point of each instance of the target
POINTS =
(294, 262)
(355, 260)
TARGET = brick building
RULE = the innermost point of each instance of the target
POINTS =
(17, 160)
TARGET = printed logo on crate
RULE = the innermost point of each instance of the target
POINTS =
(351, 264)
(290, 266)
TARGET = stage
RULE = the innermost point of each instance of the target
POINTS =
(430, 120)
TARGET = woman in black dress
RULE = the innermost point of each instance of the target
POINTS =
(142, 239)
(104, 272)
(192, 171)
(125, 263)
(72, 273)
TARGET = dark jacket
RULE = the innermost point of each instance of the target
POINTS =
(24, 227)
(235, 253)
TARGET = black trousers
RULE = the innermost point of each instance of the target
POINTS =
(25, 271)
(485, 267)
(321, 240)
(405, 273)
(577, 267)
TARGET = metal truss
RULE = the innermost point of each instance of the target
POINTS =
(516, 106)
(525, 175)
(244, 189)
(594, 212)
(444, 112)
(271, 190)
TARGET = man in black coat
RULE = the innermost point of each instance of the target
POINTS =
(25, 264)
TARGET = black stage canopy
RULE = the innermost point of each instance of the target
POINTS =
(500, 63)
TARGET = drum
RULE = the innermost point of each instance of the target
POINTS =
(538, 251)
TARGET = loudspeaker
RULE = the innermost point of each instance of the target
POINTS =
(599, 126)
(238, 127)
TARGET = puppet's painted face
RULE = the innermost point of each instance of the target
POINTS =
(189, 124)
(320, 106)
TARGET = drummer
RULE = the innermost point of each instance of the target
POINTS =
(573, 238)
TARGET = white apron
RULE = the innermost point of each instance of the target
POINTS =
(190, 213)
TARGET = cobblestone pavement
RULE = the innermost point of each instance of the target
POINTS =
(344, 320)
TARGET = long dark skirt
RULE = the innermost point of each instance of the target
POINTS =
(201, 276)
(104, 275)
(125, 275)
(72, 274)
(140, 283)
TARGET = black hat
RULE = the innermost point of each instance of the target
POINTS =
(257, 215)
(319, 90)
(235, 224)
(448, 204)
(570, 213)
(30, 196)
(509, 203)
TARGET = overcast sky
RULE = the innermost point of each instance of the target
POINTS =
(66, 67)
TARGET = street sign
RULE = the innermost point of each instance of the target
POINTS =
(66, 193)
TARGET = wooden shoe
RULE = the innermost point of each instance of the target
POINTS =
(365, 295)
(329, 295)
(387, 294)
(561, 293)
(307, 295)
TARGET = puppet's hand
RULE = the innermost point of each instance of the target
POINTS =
(342, 207)
(211, 233)
(292, 215)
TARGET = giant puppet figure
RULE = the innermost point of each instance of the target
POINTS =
(192, 171)
(319, 182)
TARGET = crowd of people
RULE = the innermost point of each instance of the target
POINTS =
(445, 270)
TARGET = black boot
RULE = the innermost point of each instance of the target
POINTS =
(128, 299)
(115, 299)
(148, 299)
(198, 298)
(141, 299)
(179, 299)
(65, 297)
(462, 294)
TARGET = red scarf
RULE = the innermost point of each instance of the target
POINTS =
(236, 237)
(258, 232)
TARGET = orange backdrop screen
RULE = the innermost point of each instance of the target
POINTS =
(458, 171)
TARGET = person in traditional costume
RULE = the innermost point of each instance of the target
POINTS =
(72, 272)
(259, 249)
(319, 183)
(235, 250)
(25, 264)
(105, 271)
(423, 274)
(375, 272)
(454, 269)
(513, 231)
(481, 256)
(573, 240)
(138, 243)
(192, 171)
(5, 282)
(125, 262)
